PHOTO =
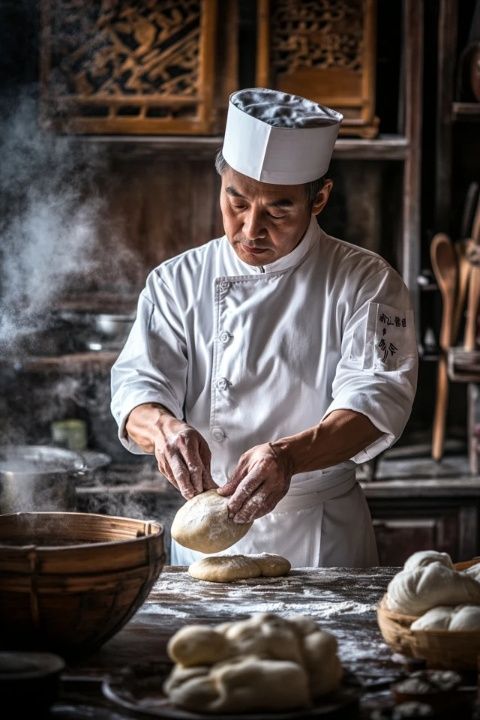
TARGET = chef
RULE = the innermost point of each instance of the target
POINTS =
(271, 361)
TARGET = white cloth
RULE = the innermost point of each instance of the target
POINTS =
(249, 354)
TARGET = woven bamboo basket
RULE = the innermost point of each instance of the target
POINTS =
(70, 581)
(446, 649)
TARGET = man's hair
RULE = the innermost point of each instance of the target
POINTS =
(312, 188)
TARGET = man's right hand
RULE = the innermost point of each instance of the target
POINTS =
(182, 454)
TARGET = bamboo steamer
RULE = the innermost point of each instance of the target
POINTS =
(445, 649)
(70, 581)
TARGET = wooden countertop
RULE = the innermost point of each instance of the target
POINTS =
(342, 601)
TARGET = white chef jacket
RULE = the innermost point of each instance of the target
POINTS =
(247, 355)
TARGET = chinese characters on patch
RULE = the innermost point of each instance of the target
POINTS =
(385, 345)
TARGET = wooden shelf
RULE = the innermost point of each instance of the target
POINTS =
(71, 363)
(384, 147)
(466, 111)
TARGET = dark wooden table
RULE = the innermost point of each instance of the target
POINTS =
(342, 601)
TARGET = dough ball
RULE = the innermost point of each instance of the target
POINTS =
(266, 635)
(425, 557)
(413, 592)
(192, 688)
(465, 617)
(244, 685)
(225, 568)
(274, 664)
(229, 568)
(323, 666)
(461, 617)
(438, 618)
(272, 565)
(303, 625)
(202, 524)
(180, 675)
(198, 645)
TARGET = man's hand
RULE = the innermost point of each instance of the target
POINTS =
(182, 453)
(261, 478)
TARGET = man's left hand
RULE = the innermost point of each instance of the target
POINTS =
(261, 478)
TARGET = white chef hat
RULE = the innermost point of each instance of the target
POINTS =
(279, 138)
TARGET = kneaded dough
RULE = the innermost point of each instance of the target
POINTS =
(198, 645)
(429, 581)
(266, 662)
(203, 524)
(229, 568)
(422, 558)
(446, 617)
(240, 686)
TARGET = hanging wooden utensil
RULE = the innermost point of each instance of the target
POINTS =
(473, 302)
(464, 266)
(444, 264)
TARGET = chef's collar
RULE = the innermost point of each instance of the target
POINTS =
(310, 237)
(280, 138)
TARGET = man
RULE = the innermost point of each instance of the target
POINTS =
(271, 361)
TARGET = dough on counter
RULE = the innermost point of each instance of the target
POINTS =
(198, 645)
(266, 662)
(265, 635)
(414, 591)
(228, 568)
(422, 558)
(446, 617)
(202, 524)
(239, 686)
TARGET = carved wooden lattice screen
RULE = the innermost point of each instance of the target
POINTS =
(324, 50)
(129, 66)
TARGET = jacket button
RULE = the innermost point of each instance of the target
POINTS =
(224, 337)
(218, 434)
(222, 383)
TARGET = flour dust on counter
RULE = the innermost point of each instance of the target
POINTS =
(322, 593)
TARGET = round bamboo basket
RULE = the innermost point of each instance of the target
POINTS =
(70, 581)
(445, 649)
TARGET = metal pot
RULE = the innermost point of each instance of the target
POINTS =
(39, 478)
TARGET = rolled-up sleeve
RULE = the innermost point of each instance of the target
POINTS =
(152, 366)
(377, 372)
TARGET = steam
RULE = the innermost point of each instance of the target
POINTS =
(58, 239)
(53, 213)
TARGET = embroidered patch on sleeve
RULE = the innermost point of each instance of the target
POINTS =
(392, 336)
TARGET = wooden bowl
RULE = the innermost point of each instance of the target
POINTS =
(70, 581)
(446, 649)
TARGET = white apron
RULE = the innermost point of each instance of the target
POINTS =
(247, 355)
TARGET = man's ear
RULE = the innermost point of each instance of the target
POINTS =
(322, 197)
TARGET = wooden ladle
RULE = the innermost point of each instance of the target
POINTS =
(445, 267)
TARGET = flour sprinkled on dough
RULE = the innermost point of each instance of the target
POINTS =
(203, 524)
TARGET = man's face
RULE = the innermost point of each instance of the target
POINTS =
(264, 222)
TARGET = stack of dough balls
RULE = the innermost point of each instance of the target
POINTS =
(264, 663)
(430, 587)
(202, 524)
